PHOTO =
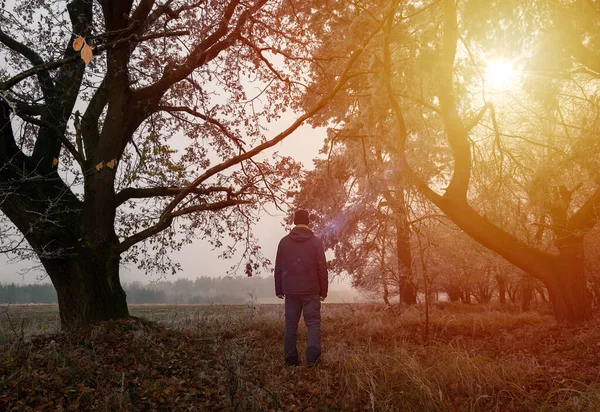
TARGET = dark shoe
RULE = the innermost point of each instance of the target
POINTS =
(291, 363)
(312, 364)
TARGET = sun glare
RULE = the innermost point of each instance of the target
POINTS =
(500, 76)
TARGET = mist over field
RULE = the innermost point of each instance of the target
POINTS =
(202, 290)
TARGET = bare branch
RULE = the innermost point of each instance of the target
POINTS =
(210, 206)
(587, 58)
(63, 139)
(44, 67)
(238, 142)
(162, 224)
(167, 216)
(477, 118)
(264, 60)
(141, 193)
(89, 121)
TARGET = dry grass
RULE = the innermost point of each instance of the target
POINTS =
(230, 358)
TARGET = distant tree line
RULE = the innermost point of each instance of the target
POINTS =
(201, 290)
(37, 293)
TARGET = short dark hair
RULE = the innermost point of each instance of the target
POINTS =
(301, 217)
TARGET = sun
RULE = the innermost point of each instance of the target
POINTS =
(500, 76)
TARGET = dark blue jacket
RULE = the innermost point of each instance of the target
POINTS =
(300, 266)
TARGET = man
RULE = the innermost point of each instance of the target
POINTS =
(301, 277)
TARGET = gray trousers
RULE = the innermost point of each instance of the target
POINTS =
(294, 306)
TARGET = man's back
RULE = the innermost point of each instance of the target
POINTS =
(300, 266)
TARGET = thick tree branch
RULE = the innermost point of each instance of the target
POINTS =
(31, 109)
(140, 15)
(164, 223)
(455, 130)
(166, 217)
(387, 73)
(36, 70)
(165, 9)
(587, 215)
(8, 146)
(211, 206)
(477, 118)
(59, 104)
(116, 13)
(161, 11)
(89, 121)
(32, 56)
(61, 137)
(142, 193)
(531, 260)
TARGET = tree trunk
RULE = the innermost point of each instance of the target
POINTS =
(566, 282)
(88, 288)
(382, 269)
(408, 292)
(567, 286)
(406, 287)
(466, 295)
(501, 289)
(453, 292)
(526, 287)
(386, 292)
(79, 255)
(570, 303)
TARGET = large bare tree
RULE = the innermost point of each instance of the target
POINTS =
(101, 162)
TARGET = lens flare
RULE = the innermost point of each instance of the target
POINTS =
(500, 76)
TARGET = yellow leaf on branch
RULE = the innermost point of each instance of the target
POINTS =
(54, 161)
(111, 164)
(86, 53)
(99, 166)
(78, 43)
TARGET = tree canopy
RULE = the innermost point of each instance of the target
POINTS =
(489, 110)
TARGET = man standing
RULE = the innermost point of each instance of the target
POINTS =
(301, 277)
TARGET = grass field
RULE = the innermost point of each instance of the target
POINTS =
(218, 357)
